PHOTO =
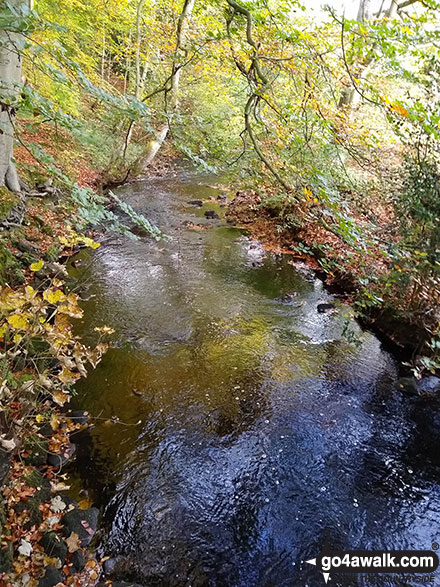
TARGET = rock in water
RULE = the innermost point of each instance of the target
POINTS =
(408, 385)
(211, 215)
(325, 308)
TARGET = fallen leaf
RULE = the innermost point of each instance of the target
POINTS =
(73, 542)
(57, 505)
(7, 444)
(25, 548)
(37, 266)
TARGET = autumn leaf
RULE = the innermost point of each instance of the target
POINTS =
(57, 505)
(60, 397)
(25, 548)
(54, 421)
(53, 296)
(73, 542)
(18, 321)
(37, 266)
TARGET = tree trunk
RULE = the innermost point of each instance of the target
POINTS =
(10, 82)
(173, 92)
(138, 48)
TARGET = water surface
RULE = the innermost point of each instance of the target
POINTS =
(249, 425)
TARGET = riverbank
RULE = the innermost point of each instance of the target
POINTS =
(44, 534)
(361, 278)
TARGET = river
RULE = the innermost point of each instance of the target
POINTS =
(235, 425)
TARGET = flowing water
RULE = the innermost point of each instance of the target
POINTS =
(250, 426)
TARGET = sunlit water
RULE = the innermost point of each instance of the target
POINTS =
(249, 424)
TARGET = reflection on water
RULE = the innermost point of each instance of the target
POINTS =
(249, 425)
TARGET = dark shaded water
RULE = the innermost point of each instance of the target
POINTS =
(249, 424)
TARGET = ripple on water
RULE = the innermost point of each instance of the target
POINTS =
(264, 424)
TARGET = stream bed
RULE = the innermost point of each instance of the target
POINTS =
(235, 425)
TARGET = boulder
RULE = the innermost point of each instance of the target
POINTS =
(211, 215)
(52, 577)
(78, 561)
(407, 385)
(82, 522)
(325, 308)
(429, 384)
(54, 546)
(59, 460)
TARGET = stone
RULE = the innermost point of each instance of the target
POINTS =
(429, 384)
(82, 522)
(51, 578)
(114, 564)
(59, 460)
(37, 448)
(54, 546)
(408, 385)
(325, 308)
(211, 215)
(78, 561)
(27, 247)
(197, 203)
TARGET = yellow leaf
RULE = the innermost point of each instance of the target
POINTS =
(39, 418)
(90, 242)
(54, 421)
(67, 376)
(37, 266)
(30, 292)
(18, 321)
(53, 296)
(3, 330)
(60, 397)
(17, 338)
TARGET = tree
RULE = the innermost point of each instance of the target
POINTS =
(11, 43)
(171, 90)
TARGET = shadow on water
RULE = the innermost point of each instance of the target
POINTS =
(249, 425)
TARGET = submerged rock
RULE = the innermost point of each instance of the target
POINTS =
(197, 203)
(325, 308)
(288, 298)
(430, 384)
(408, 385)
(211, 215)
(114, 565)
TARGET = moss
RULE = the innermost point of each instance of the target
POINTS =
(38, 450)
(11, 271)
(53, 253)
(7, 552)
(32, 504)
(7, 201)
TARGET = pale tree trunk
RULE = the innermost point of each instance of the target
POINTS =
(392, 11)
(172, 96)
(363, 14)
(138, 48)
(10, 82)
(139, 78)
